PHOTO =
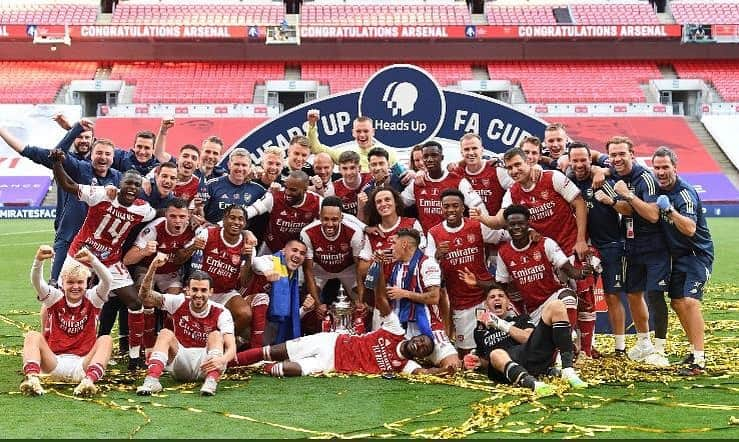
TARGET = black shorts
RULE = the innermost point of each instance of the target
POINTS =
(536, 355)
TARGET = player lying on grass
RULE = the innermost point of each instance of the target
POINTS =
(513, 350)
(384, 350)
(202, 340)
(68, 349)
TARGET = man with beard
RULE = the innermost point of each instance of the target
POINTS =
(166, 235)
(381, 351)
(107, 225)
(223, 251)
(647, 256)
(606, 235)
(202, 339)
(232, 189)
(290, 209)
(273, 293)
(380, 177)
(322, 181)
(427, 198)
(335, 246)
(93, 169)
(691, 248)
(458, 243)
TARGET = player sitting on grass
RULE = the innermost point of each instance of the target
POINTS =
(202, 340)
(68, 349)
(513, 350)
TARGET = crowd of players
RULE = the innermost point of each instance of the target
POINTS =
(207, 267)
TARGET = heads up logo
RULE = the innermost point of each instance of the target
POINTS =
(405, 103)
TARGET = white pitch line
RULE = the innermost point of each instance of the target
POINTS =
(19, 244)
(26, 232)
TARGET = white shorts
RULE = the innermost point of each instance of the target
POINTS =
(162, 281)
(314, 353)
(68, 368)
(443, 347)
(348, 278)
(536, 314)
(186, 364)
(465, 322)
(223, 298)
(121, 277)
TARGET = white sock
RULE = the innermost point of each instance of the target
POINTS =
(134, 352)
(568, 372)
(643, 338)
(620, 342)
(659, 345)
(699, 357)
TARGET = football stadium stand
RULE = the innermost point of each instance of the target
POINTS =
(346, 76)
(39, 82)
(49, 13)
(577, 81)
(196, 82)
(705, 11)
(569, 12)
(201, 13)
(723, 75)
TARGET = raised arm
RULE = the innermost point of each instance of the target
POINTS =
(105, 278)
(16, 144)
(60, 175)
(147, 295)
(160, 146)
(42, 289)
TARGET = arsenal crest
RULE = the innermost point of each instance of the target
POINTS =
(485, 182)
(235, 259)
(536, 255)
(545, 194)
(344, 247)
(471, 238)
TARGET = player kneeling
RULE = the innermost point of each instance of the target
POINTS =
(514, 350)
(68, 350)
(203, 340)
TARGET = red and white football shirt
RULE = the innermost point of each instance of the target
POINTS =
(167, 243)
(221, 259)
(192, 329)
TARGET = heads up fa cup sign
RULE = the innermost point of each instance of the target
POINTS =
(407, 107)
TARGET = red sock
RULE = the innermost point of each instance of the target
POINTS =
(258, 324)
(94, 372)
(250, 356)
(572, 316)
(156, 368)
(586, 336)
(31, 368)
(215, 374)
(135, 329)
(149, 334)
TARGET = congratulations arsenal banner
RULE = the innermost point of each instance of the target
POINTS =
(470, 32)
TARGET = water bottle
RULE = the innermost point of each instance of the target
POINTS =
(196, 262)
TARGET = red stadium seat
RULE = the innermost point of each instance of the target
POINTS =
(39, 82)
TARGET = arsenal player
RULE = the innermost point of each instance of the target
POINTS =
(68, 348)
(351, 183)
(106, 227)
(530, 267)
(290, 209)
(167, 235)
(202, 339)
(382, 351)
(187, 163)
(458, 243)
(486, 178)
(223, 250)
(335, 245)
(427, 197)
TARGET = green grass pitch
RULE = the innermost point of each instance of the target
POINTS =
(627, 401)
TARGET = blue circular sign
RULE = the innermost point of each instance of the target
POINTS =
(405, 103)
